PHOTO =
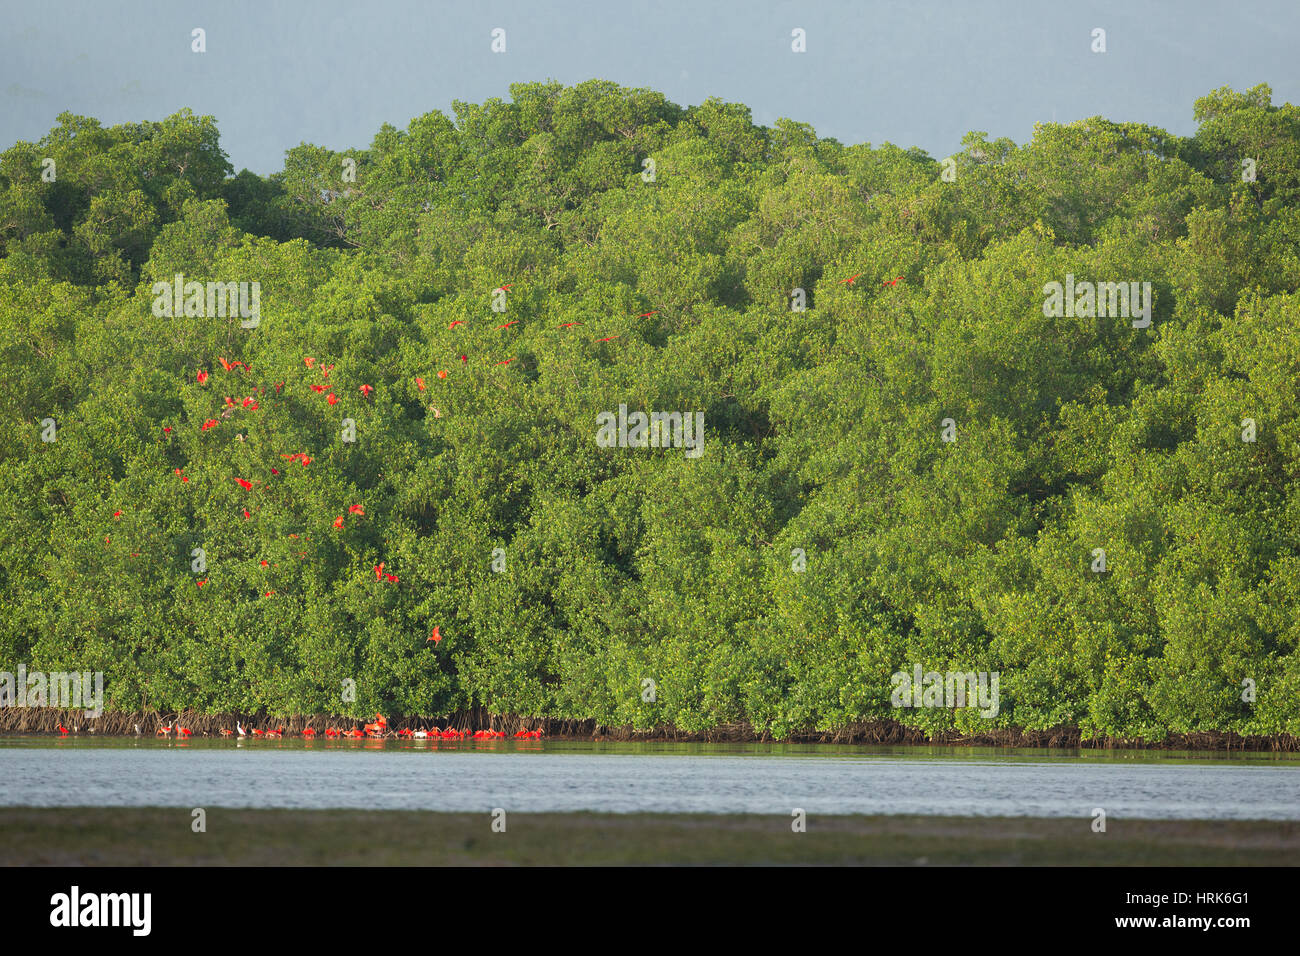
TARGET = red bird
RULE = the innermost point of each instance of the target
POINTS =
(569, 325)
(250, 403)
(246, 485)
(203, 378)
(318, 388)
(646, 315)
(436, 636)
(506, 362)
(183, 477)
(63, 730)
(442, 374)
(117, 514)
(275, 471)
(338, 522)
(224, 364)
(325, 371)
(356, 510)
(456, 323)
(366, 390)
(508, 324)
(246, 514)
(308, 361)
(379, 571)
(419, 383)
(610, 339)
(167, 430)
(278, 386)
(264, 562)
(229, 402)
(201, 583)
(892, 281)
(210, 423)
(391, 577)
(308, 732)
(331, 398)
(464, 359)
(850, 280)
(503, 288)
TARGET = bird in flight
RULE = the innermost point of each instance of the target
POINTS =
(419, 383)
(308, 361)
(610, 339)
(203, 378)
(338, 522)
(850, 279)
(508, 324)
(456, 323)
(892, 281)
(366, 390)
(356, 510)
(569, 325)
(246, 485)
(331, 398)
(436, 636)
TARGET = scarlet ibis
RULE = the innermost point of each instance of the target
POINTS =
(356, 510)
(379, 571)
(508, 324)
(117, 514)
(851, 279)
(455, 323)
(308, 732)
(354, 733)
(227, 732)
(246, 485)
(250, 402)
(203, 378)
(331, 398)
(230, 402)
(278, 386)
(183, 731)
(610, 339)
(331, 732)
(506, 362)
(338, 522)
(391, 577)
(366, 390)
(419, 383)
(569, 325)
(201, 583)
(646, 315)
(503, 288)
(264, 562)
(442, 373)
(436, 636)
(325, 370)
(167, 430)
(63, 730)
(308, 361)
(210, 423)
(464, 359)
(246, 514)
(318, 388)
(892, 281)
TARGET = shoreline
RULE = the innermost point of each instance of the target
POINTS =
(46, 721)
(150, 836)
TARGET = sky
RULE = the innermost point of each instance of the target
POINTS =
(910, 72)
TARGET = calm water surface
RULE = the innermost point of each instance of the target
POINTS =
(557, 776)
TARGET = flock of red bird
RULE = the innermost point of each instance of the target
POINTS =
(375, 730)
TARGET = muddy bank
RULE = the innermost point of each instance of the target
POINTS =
(155, 836)
(16, 720)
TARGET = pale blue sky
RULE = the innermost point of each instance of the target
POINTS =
(917, 73)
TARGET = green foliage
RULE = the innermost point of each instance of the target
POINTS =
(823, 436)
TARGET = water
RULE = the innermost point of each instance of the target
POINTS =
(558, 776)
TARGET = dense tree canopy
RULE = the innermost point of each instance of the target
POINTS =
(648, 254)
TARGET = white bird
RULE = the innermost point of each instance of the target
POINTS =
(240, 728)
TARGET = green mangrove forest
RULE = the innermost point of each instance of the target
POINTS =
(329, 441)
